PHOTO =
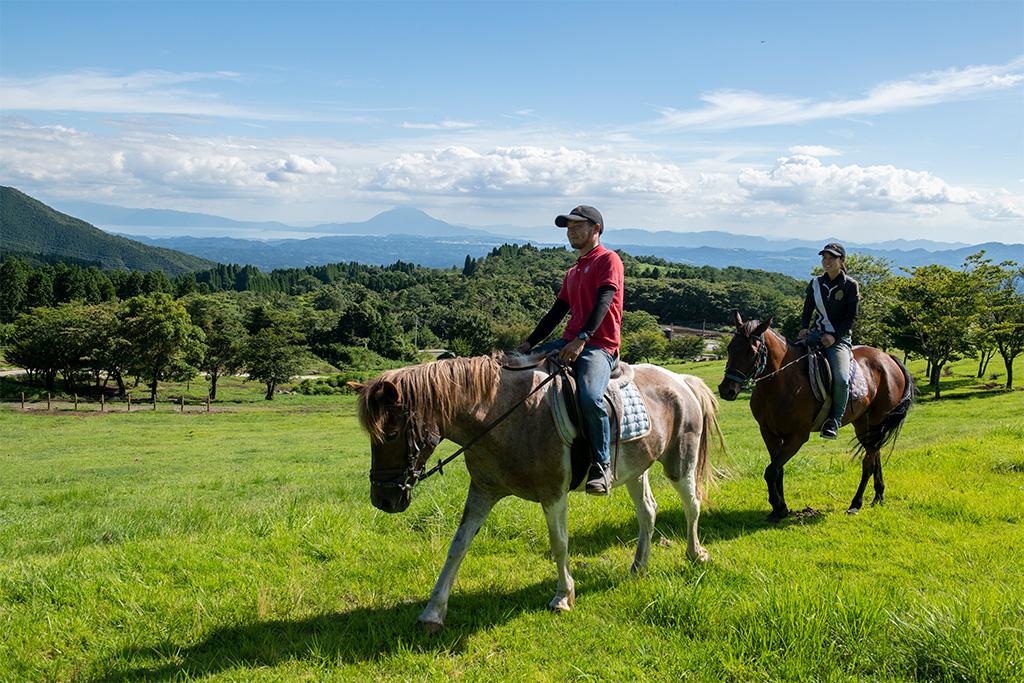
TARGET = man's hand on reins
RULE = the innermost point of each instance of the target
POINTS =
(571, 351)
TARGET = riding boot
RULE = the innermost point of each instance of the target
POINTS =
(599, 479)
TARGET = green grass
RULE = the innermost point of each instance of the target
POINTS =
(241, 545)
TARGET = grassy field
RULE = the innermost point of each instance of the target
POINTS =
(241, 545)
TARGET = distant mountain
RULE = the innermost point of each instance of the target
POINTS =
(401, 220)
(406, 233)
(30, 227)
(405, 220)
(434, 252)
(451, 251)
(105, 214)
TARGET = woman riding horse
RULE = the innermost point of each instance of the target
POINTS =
(832, 299)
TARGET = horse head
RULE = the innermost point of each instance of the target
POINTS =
(400, 444)
(748, 353)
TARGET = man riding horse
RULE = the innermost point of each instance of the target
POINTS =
(592, 294)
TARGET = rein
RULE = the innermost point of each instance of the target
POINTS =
(439, 467)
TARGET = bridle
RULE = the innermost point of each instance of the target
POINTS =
(421, 440)
(760, 362)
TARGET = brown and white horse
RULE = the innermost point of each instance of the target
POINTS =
(784, 406)
(408, 411)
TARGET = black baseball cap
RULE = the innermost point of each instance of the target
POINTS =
(833, 248)
(580, 213)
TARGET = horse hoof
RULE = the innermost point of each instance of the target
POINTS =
(431, 627)
(877, 501)
(853, 511)
(637, 569)
(700, 557)
(561, 603)
(776, 517)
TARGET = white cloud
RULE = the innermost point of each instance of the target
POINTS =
(726, 109)
(526, 170)
(294, 167)
(294, 179)
(815, 151)
(443, 125)
(805, 182)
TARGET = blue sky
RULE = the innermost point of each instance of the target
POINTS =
(859, 120)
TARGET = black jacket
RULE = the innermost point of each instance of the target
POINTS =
(841, 298)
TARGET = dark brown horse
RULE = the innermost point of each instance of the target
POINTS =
(785, 407)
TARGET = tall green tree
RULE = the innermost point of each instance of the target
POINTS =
(164, 342)
(274, 355)
(935, 311)
(1007, 307)
(14, 276)
(225, 336)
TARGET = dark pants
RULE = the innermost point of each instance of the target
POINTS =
(593, 370)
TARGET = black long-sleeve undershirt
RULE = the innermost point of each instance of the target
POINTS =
(547, 324)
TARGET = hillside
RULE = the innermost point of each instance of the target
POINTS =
(28, 226)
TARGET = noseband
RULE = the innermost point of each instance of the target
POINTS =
(760, 361)
(420, 442)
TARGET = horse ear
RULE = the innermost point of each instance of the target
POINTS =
(387, 393)
(737, 318)
(356, 386)
(762, 328)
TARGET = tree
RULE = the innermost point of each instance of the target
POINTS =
(936, 309)
(37, 344)
(14, 276)
(164, 342)
(39, 290)
(274, 355)
(1007, 307)
(643, 346)
(685, 346)
(225, 336)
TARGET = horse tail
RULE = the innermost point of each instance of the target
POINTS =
(886, 432)
(709, 409)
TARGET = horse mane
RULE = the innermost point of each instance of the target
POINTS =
(434, 392)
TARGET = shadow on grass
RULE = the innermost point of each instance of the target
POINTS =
(358, 635)
(715, 525)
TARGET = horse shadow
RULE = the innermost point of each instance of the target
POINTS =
(715, 525)
(358, 635)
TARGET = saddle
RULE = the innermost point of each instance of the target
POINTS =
(820, 374)
(627, 414)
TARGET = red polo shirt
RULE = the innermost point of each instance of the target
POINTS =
(579, 289)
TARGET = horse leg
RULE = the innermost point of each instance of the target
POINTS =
(478, 506)
(556, 513)
(646, 511)
(772, 473)
(784, 449)
(871, 465)
(879, 484)
(686, 486)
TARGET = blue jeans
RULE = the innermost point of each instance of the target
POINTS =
(839, 356)
(593, 370)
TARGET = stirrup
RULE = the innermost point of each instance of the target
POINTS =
(598, 480)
